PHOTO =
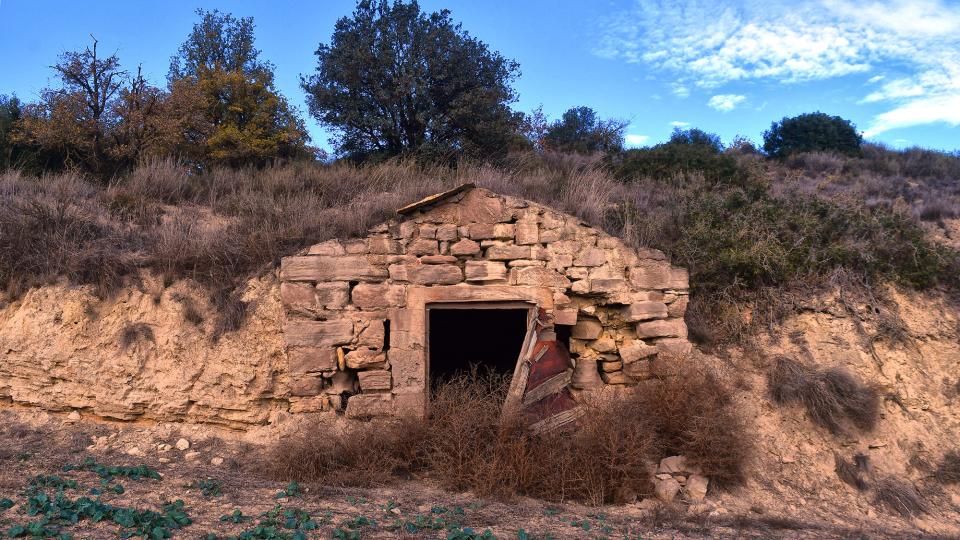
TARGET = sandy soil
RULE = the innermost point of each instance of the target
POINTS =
(38, 443)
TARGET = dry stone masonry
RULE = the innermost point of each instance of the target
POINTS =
(356, 309)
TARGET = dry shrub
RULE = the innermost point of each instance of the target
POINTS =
(833, 398)
(694, 415)
(134, 333)
(899, 497)
(463, 444)
(851, 473)
(948, 472)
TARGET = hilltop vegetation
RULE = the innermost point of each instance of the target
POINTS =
(212, 178)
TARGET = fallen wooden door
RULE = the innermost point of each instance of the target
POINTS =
(540, 389)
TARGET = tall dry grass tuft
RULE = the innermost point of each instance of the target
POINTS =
(833, 398)
(463, 445)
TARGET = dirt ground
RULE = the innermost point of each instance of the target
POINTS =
(218, 476)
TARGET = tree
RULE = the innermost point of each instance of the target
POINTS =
(11, 112)
(812, 132)
(217, 73)
(71, 123)
(694, 136)
(395, 80)
(581, 131)
(687, 151)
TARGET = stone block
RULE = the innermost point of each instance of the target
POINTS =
(312, 359)
(374, 380)
(644, 311)
(434, 274)
(604, 345)
(423, 246)
(407, 367)
(369, 405)
(652, 274)
(591, 257)
(310, 404)
(372, 334)
(674, 346)
(577, 272)
(525, 262)
(465, 247)
(408, 229)
(696, 487)
(634, 350)
(306, 385)
(526, 233)
(299, 297)
(537, 276)
(382, 245)
(587, 329)
(666, 489)
(580, 287)
(447, 232)
(610, 366)
(616, 377)
(608, 242)
(607, 285)
(560, 261)
(345, 268)
(365, 359)
(357, 246)
(638, 369)
(428, 231)
(438, 259)
(678, 307)
(377, 295)
(565, 316)
(330, 248)
(506, 253)
(552, 235)
(318, 333)
(485, 271)
(333, 294)
(662, 328)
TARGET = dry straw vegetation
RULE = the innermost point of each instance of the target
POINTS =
(462, 444)
(747, 228)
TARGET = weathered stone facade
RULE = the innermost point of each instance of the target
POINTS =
(356, 308)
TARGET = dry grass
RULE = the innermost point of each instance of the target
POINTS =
(748, 244)
(948, 472)
(134, 333)
(462, 444)
(899, 497)
(851, 473)
(833, 398)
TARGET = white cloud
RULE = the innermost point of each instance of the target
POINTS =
(725, 102)
(917, 112)
(709, 43)
(679, 124)
(680, 90)
(636, 140)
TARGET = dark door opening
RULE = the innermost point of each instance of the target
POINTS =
(460, 340)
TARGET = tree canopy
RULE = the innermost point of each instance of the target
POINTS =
(579, 130)
(394, 80)
(812, 132)
(218, 74)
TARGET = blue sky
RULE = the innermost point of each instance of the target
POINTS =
(891, 66)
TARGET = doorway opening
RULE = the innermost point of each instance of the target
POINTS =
(463, 339)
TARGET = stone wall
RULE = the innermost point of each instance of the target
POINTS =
(356, 308)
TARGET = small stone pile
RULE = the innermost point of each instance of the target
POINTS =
(675, 476)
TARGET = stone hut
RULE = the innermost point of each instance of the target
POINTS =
(560, 306)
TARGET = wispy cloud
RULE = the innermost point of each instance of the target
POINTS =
(725, 102)
(709, 43)
(636, 140)
(679, 124)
